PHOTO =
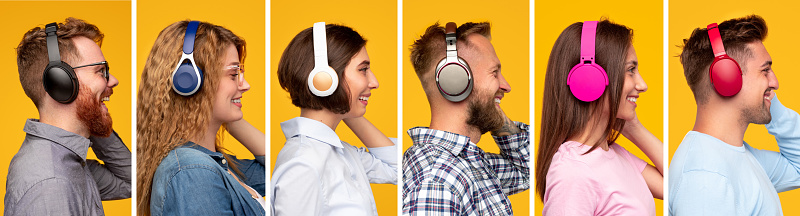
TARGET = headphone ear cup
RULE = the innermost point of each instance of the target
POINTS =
(726, 76)
(323, 81)
(454, 80)
(587, 82)
(60, 82)
(185, 81)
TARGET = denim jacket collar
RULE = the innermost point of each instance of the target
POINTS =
(217, 156)
(74, 142)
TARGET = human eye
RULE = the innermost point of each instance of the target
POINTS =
(364, 69)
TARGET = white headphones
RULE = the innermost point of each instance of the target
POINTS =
(323, 80)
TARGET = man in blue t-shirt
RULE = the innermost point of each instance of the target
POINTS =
(714, 172)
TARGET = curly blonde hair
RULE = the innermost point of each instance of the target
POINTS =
(165, 119)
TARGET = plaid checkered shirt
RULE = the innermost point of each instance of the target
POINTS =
(446, 174)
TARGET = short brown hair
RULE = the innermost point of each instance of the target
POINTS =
(697, 55)
(32, 53)
(297, 62)
(429, 49)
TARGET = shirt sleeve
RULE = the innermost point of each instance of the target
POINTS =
(380, 163)
(511, 165)
(296, 190)
(783, 168)
(191, 199)
(703, 193)
(113, 177)
(637, 162)
(568, 186)
(51, 197)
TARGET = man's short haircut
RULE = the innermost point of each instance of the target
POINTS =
(429, 49)
(697, 55)
(297, 62)
(32, 55)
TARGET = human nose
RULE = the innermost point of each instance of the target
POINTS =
(641, 86)
(773, 80)
(373, 81)
(245, 86)
(112, 81)
(504, 86)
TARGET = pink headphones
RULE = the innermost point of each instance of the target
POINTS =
(725, 73)
(587, 80)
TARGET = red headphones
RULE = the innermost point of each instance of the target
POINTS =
(725, 73)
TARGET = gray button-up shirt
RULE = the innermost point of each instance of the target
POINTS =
(51, 176)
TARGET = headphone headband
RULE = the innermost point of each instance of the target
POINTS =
(52, 42)
(188, 39)
(450, 40)
(320, 45)
(716, 40)
(588, 41)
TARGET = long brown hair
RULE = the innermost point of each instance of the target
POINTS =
(166, 120)
(563, 115)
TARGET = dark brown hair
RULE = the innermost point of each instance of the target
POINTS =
(297, 62)
(563, 115)
(429, 49)
(32, 55)
(166, 120)
(697, 55)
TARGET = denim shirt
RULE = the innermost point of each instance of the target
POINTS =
(192, 180)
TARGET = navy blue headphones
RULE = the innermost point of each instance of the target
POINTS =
(59, 79)
(187, 77)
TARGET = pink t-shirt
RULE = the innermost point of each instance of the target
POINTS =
(598, 183)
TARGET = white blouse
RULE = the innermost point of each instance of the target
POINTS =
(318, 174)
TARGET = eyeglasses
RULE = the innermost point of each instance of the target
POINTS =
(105, 68)
(239, 73)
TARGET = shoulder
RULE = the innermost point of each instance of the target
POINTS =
(700, 152)
(432, 164)
(33, 164)
(186, 158)
(304, 151)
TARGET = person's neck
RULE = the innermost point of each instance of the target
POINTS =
(64, 119)
(209, 138)
(721, 122)
(451, 118)
(594, 133)
(325, 116)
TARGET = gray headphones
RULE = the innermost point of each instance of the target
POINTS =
(453, 76)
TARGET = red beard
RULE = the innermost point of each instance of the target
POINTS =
(90, 113)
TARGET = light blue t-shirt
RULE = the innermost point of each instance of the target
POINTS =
(710, 177)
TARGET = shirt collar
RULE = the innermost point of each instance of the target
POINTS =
(74, 142)
(217, 156)
(453, 142)
(312, 129)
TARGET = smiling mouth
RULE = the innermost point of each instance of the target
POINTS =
(237, 100)
(107, 98)
(363, 98)
(632, 99)
(768, 95)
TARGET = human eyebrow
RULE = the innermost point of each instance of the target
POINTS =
(365, 62)
(634, 63)
(768, 63)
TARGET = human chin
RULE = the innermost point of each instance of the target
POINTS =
(484, 113)
(93, 113)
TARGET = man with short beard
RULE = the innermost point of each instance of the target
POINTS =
(50, 174)
(713, 171)
(445, 172)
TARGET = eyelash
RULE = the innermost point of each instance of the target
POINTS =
(364, 69)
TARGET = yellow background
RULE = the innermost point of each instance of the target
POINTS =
(114, 20)
(645, 18)
(781, 44)
(374, 20)
(510, 37)
(243, 18)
